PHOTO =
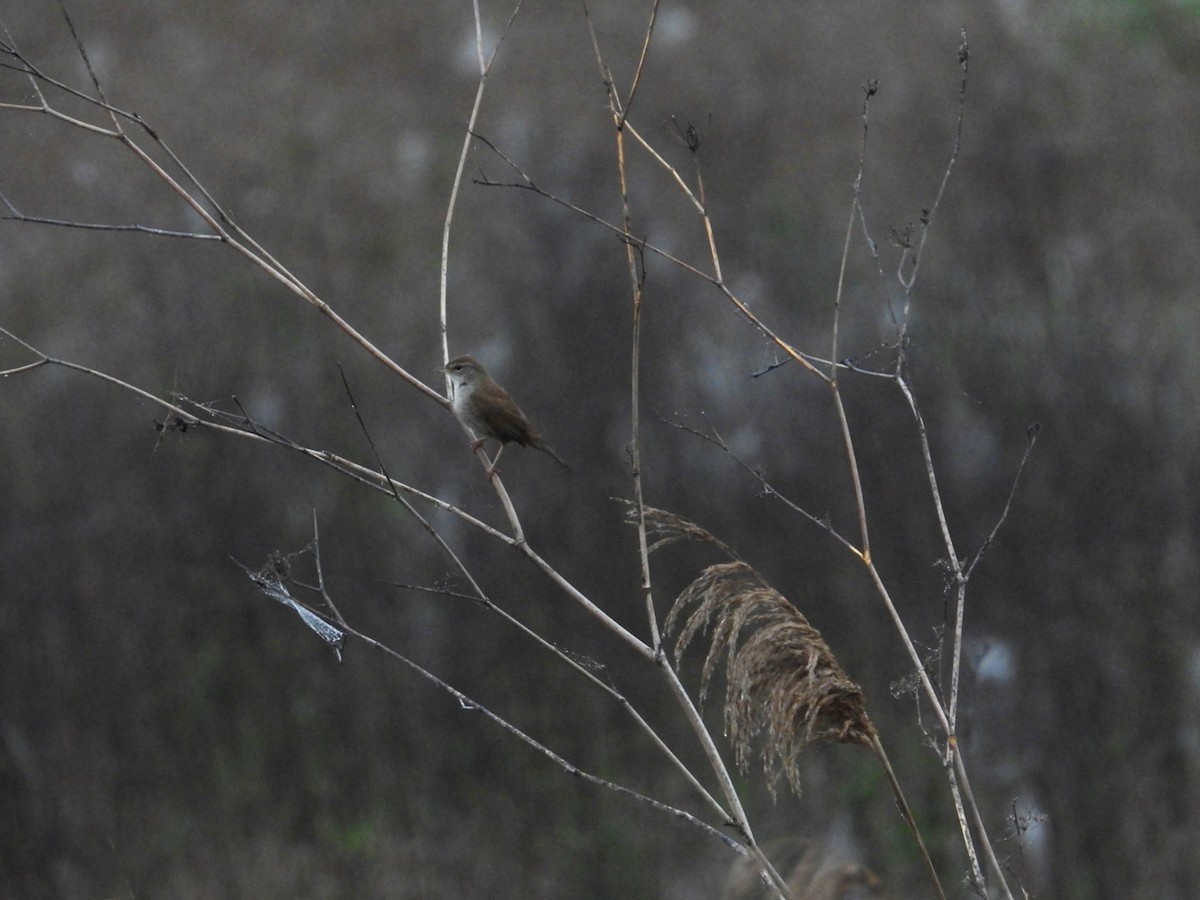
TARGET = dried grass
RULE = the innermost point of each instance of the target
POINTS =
(781, 680)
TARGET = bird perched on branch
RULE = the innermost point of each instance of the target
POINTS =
(488, 410)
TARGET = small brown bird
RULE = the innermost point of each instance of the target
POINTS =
(488, 410)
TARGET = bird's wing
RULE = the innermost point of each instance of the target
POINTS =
(502, 417)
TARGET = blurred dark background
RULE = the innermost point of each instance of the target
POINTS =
(166, 731)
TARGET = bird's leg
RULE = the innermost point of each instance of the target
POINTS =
(492, 471)
(476, 444)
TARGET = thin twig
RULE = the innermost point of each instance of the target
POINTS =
(186, 190)
(485, 65)
(714, 437)
(471, 705)
(927, 216)
(641, 64)
(907, 813)
(1031, 436)
(869, 90)
(467, 703)
(17, 216)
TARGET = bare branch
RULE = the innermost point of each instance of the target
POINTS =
(1031, 437)
(270, 581)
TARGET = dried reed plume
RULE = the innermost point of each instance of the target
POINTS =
(667, 528)
(782, 680)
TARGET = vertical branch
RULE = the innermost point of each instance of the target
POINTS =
(966, 809)
(637, 75)
(960, 782)
(964, 56)
(869, 90)
(635, 366)
(738, 816)
(847, 439)
(952, 558)
(960, 808)
(907, 282)
(636, 283)
(964, 798)
(864, 552)
(485, 66)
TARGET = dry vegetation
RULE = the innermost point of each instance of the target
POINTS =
(805, 278)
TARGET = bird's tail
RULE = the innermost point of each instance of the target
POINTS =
(539, 444)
